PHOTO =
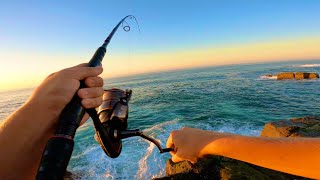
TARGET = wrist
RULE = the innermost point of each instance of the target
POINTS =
(220, 145)
(39, 114)
(47, 107)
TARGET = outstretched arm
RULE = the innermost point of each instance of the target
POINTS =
(24, 134)
(298, 156)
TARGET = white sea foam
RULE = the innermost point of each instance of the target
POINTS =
(268, 77)
(152, 164)
(143, 166)
(243, 130)
(308, 65)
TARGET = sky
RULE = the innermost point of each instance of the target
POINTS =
(41, 37)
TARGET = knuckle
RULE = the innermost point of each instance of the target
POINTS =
(86, 103)
(101, 91)
(95, 70)
(88, 82)
(100, 80)
(79, 93)
(87, 70)
(82, 93)
(173, 133)
(99, 101)
(64, 73)
(93, 82)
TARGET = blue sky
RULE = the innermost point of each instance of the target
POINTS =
(40, 37)
(72, 26)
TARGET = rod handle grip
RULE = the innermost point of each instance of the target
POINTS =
(73, 113)
(55, 159)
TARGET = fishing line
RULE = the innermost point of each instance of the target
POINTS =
(126, 27)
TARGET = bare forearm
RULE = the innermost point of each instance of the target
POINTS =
(295, 156)
(23, 136)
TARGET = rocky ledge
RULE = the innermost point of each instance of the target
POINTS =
(297, 75)
(216, 167)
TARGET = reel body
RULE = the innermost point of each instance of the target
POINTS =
(113, 116)
(114, 109)
(112, 122)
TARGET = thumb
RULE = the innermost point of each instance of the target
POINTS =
(176, 159)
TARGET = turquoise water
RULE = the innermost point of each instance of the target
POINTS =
(236, 99)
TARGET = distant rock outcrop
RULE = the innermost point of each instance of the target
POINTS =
(302, 75)
(216, 167)
(286, 75)
(297, 75)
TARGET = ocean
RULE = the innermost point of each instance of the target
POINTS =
(236, 98)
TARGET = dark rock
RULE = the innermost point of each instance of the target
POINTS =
(296, 127)
(303, 75)
(297, 75)
(217, 167)
(285, 75)
(70, 176)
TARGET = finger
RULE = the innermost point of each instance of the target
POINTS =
(93, 82)
(169, 141)
(176, 158)
(93, 92)
(84, 72)
(91, 102)
(170, 144)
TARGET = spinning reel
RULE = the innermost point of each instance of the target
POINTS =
(111, 126)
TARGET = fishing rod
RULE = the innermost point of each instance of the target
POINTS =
(59, 148)
(110, 123)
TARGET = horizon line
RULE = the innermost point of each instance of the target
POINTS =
(210, 66)
(178, 69)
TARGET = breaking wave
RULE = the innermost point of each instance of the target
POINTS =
(268, 77)
(308, 65)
